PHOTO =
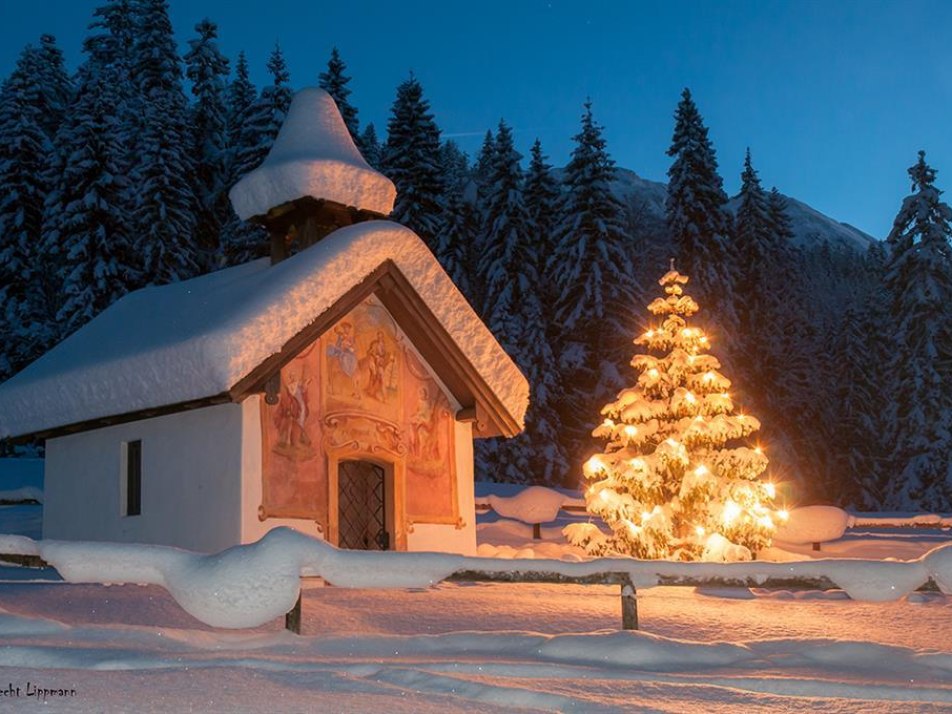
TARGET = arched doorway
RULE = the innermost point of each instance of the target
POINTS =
(362, 506)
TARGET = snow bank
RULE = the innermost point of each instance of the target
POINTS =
(204, 335)
(313, 155)
(249, 585)
(535, 504)
(19, 495)
(814, 524)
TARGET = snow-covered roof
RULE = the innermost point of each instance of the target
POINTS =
(313, 155)
(199, 338)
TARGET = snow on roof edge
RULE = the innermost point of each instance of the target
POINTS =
(241, 332)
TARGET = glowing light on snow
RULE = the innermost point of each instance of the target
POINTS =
(731, 512)
(594, 465)
(770, 490)
(608, 423)
(603, 494)
(637, 464)
(690, 398)
(700, 530)
(708, 377)
(758, 450)
(783, 515)
(631, 432)
(701, 470)
(653, 373)
(645, 515)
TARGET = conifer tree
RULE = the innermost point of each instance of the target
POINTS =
(483, 168)
(593, 282)
(672, 481)
(411, 159)
(541, 196)
(919, 283)
(510, 267)
(165, 215)
(753, 243)
(696, 211)
(778, 210)
(335, 82)
(53, 85)
(591, 264)
(87, 217)
(207, 70)
(24, 153)
(240, 100)
(370, 146)
(244, 241)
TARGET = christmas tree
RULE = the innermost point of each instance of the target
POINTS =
(670, 483)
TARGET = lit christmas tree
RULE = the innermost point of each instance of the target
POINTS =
(668, 485)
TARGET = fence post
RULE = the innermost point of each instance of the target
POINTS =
(537, 531)
(292, 619)
(629, 604)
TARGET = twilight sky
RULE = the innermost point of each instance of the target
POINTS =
(834, 98)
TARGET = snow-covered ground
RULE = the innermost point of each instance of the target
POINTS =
(487, 647)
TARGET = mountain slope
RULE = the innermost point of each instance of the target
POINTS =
(810, 227)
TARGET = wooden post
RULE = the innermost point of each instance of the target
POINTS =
(292, 619)
(629, 604)
(537, 531)
(816, 546)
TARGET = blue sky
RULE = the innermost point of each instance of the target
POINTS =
(834, 98)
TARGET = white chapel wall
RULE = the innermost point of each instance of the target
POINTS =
(191, 467)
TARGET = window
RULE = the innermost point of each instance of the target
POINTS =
(133, 477)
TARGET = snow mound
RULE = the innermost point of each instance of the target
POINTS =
(313, 155)
(535, 504)
(814, 524)
(938, 562)
(24, 493)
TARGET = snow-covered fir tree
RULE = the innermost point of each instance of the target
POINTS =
(509, 267)
(460, 224)
(590, 271)
(370, 146)
(919, 283)
(164, 170)
(411, 159)
(542, 200)
(52, 85)
(24, 153)
(696, 211)
(752, 246)
(87, 219)
(334, 82)
(207, 69)
(239, 102)
(244, 241)
(673, 480)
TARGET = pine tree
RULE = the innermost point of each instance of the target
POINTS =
(753, 244)
(510, 267)
(87, 217)
(165, 215)
(696, 211)
(542, 197)
(780, 223)
(592, 278)
(240, 101)
(335, 82)
(207, 69)
(483, 168)
(919, 284)
(244, 241)
(370, 146)
(53, 85)
(591, 264)
(671, 482)
(411, 159)
(24, 153)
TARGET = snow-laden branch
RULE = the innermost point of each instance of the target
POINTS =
(248, 585)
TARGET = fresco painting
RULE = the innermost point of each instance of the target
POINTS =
(361, 386)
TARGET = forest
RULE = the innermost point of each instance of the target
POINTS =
(115, 177)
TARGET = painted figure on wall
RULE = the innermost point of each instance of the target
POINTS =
(344, 355)
(360, 386)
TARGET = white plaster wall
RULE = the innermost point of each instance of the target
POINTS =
(448, 538)
(191, 481)
(253, 529)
